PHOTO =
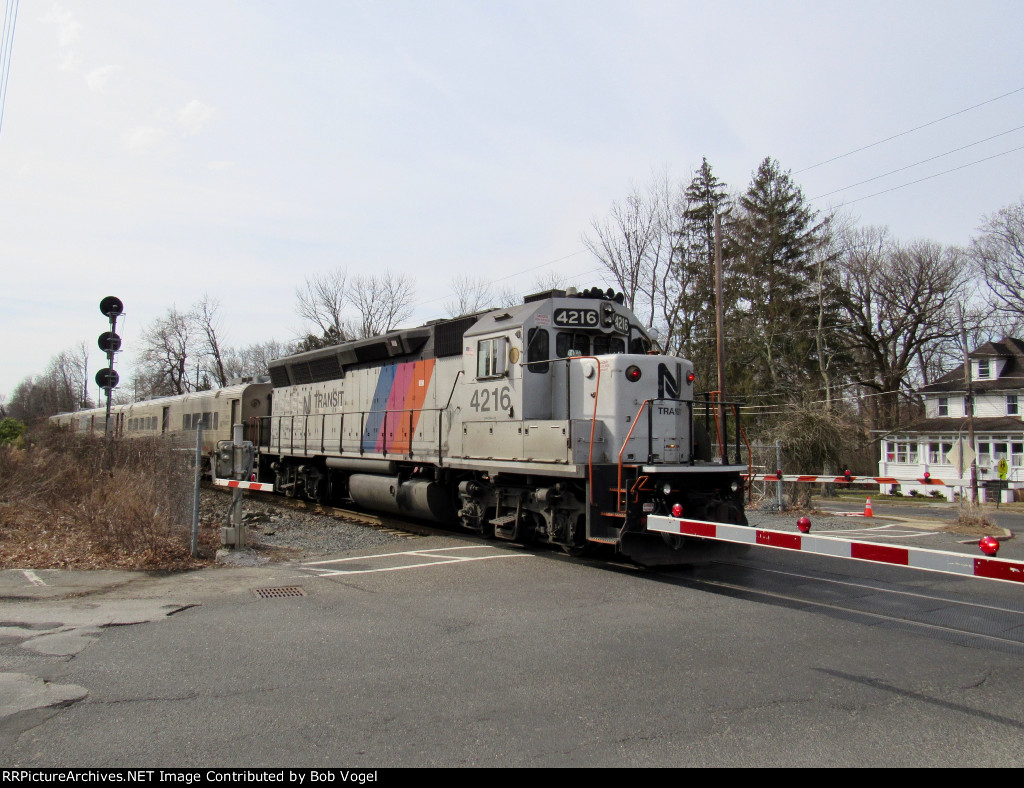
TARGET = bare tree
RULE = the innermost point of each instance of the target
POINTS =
(999, 254)
(58, 390)
(635, 246)
(469, 294)
(631, 243)
(381, 301)
(322, 302)
(253, 360)
(81, 354)
(896, 299)
(207, 323)
(166, 347)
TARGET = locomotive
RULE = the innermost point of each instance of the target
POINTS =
(548, 421)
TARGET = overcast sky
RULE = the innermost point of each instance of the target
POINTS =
(158, 151)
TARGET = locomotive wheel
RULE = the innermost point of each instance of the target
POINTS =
(580, 546)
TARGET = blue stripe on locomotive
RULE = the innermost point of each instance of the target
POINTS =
(375, 419)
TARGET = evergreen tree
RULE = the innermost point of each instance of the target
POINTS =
(695, 269)
(776, 238)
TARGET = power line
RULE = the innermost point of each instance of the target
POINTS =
(6, 48)
(909, 131)
(929, 177)
(918, 163)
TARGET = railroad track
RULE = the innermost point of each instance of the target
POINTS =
(377, 522)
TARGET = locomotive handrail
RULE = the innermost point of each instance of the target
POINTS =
(618, 486)
(440, 419)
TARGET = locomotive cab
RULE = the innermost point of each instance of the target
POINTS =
(591, 432)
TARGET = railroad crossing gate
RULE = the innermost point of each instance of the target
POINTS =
(837, 547)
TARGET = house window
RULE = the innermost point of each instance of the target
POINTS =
(967, 405)
(983, 369)
(943, 406)
(1012, 407)
(1017, 458)
(937, 453)
(902, 451)
(984, 454)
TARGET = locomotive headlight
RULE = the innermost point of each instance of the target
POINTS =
(633, 373)
(735, 486)
(666, 489)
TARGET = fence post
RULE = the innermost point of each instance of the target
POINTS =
(195, 491)
(778, 483)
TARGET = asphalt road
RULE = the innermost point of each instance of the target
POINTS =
(444, 651)
(1008, 518)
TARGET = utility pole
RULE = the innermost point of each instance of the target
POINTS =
(720, 331)
(969, 406)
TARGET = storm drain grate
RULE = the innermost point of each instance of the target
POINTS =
(277, 593)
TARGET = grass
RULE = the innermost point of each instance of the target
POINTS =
(64, 503)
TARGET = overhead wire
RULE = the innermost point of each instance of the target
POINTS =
(909, 131)
(930, 177)
(917, 163)
(6, 48)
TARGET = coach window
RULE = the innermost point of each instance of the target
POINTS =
(491, 361)
(538, 346)
(567, 344)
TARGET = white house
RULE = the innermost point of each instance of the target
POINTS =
(997, 374)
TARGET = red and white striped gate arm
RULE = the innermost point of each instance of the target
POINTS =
(258, 486)
(912, 557)
(831, 479)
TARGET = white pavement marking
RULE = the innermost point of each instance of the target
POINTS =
(33, 578)
(880, 530)
(407, 552)
(439, 560)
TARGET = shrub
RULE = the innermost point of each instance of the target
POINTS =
(11, 432)
(72, 500)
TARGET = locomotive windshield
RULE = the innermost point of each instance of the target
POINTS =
(577, 344)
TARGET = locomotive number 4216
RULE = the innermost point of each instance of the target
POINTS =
(491, 399)
(577, 317)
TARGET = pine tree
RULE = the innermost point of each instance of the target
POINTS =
(694, 268)
(776, 239)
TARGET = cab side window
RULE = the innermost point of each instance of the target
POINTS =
(491, 357)
(538, 349)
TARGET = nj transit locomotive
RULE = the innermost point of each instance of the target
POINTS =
(547, 421)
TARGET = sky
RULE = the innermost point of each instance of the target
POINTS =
(160, 151)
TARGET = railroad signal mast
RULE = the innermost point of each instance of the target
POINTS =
(109, 343)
